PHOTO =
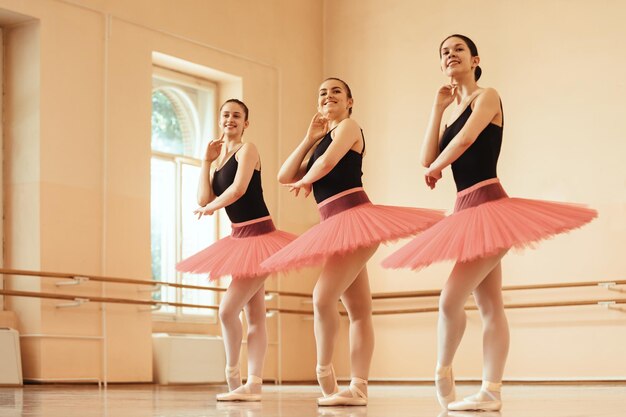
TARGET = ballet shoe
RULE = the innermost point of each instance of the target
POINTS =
(485, 400)
(324, 371)
(233, 377)
(251, 391)
(441, 374)
(353, 396)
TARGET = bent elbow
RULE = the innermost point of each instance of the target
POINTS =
(283, 179)
(325, 165)
(238, 192)
(426, 160)
(466, 141)
(203, 201)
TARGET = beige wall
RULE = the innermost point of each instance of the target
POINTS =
(557, 69)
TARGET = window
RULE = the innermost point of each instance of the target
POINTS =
(183, 120)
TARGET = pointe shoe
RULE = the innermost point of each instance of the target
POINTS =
(244, 392)
(324, 371)
(353, 396)
(441, 374)
(233, 377)
(485, 400)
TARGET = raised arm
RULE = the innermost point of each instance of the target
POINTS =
(205, 189)
(430, 146)
(294, 168)
(248, 158)
(486, 108)
(347, 134)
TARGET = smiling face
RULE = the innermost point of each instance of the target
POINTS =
(456, 57)
(233, 119)
(335, 99)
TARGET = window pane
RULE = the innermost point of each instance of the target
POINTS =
(198, 296)
(163, 227)
(167, 135)
(196, 235)
(225, 227)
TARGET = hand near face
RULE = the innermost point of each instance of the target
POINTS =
(318, 127)
(213, 149)
(446, 95)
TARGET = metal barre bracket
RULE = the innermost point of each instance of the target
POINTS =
(611, 305)
(76, 280)
(76, 303)
(611, 286)
(155, 307)
(152, 289)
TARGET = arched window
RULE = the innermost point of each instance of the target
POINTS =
(183, 120)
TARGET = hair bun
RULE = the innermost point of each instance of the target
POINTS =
(477, 72)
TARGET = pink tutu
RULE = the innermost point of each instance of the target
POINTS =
(240, 254)
(350, 221)
(486, 221)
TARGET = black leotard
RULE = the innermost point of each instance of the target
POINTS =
(344, 176)
(479, 161)
(249, 206)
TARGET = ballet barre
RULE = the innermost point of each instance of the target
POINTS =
(81, 278)
(609, 303)
(610, 285)
(77, 301)
(76, 279)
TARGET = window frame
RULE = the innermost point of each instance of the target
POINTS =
(178, 83)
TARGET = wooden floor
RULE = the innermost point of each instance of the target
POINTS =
(299, 401)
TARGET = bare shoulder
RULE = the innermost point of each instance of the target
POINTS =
(488, 100)
(247, 151)
(489, 94)
(249, 147)
(348, 126)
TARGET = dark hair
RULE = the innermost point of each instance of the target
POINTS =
(473, 51)
(347, 87)
(241, 103)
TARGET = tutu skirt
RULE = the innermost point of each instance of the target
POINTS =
(350, 221)
(486, 221)
(240, 254)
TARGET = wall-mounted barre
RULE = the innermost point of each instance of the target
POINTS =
(80, 278)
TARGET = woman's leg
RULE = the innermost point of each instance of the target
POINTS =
(235, 298)
(257, 337)
(338, 274)
(488, 298)
(464, 279)
(357, 300)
